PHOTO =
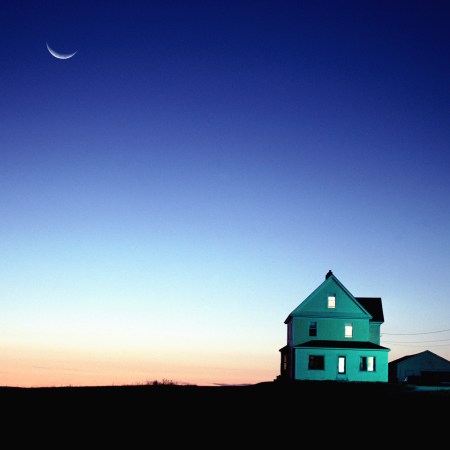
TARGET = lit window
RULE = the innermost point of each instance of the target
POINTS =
(316, 362)
(331, 301)
(313, 328)
(367, 364)
(341, 364)
(348, 330)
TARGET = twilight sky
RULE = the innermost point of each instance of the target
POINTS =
(173, 191)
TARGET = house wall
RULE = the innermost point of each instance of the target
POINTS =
(317, 302)
(328, 329)
(374, 333)
(353, 372)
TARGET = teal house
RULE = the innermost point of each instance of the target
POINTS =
(333, 335)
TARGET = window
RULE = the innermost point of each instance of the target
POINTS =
(316, 362)
(341, 364)
(348, 330)
(284, 362)
(367, 364)
(331, 301)
(313, 328)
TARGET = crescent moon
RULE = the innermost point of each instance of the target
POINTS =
(59, 55)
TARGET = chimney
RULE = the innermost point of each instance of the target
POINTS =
(328, 275)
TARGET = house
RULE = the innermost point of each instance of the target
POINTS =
(421, 368)
(333, 335)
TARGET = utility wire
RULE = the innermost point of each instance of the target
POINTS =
(419, 345)
(415, 342)
(414, 334)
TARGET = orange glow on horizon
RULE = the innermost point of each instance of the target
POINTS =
(58, 369)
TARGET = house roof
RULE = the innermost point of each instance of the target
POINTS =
(373, 306)
(341, 344)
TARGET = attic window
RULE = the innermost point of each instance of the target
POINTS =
(331, 301)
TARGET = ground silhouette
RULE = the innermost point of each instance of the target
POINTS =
(213, 416)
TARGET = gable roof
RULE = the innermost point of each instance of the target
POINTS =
(342, 344)
(374, 305)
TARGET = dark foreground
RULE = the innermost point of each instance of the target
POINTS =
(124, 416)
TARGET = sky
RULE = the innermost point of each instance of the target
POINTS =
(170, 193)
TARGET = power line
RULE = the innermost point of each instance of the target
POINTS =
(414, 334)
(415, 342)
(419, 345)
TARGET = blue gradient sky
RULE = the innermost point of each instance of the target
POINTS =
(173, 191)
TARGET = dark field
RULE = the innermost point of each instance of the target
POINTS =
(125, 416)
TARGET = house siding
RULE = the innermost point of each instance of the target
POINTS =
(328, 328)
(374, 333)
(330, 372)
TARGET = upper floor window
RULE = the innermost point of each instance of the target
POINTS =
(313, 328)
(367, 364)
(331, 301)
(348, 330)
(316, 362)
